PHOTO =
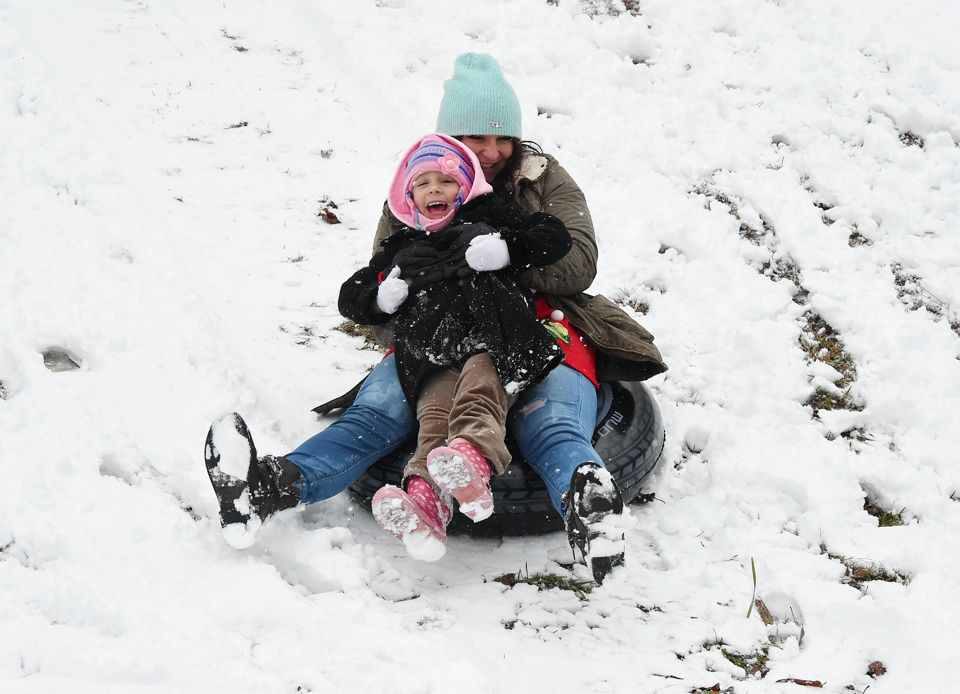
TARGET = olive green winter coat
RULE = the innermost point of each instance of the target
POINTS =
(625, 350)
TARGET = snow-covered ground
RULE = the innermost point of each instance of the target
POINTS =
(754, 167)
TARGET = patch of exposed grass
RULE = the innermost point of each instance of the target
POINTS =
(824, 208)
(859, 434)
(785, 268)
(855, 437)
(858, 574)
(857, 239)
(822, 399)
(912, 139)
(915, 295)
(822, 343)
(765, 235)
(593, 8)
(887, 519)
(578, 587)
(753, 664)
(348, 327)
(859, 571)
(303, 335)
(638, 305)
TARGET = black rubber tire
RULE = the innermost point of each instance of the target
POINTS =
(629, 437)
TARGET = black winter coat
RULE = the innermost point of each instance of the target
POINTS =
(454, 312)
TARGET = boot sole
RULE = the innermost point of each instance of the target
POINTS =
(398, 515)
(236, 514)
(451, 472)
(602, 545)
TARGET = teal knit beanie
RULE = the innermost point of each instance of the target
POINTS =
(477, 100)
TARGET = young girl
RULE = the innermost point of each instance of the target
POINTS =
(466, 340)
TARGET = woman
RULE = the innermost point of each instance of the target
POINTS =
(552, 423)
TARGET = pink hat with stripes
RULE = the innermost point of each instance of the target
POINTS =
(435, 153)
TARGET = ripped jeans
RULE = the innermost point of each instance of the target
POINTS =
(552, 424)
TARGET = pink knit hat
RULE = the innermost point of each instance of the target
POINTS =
(435, 153)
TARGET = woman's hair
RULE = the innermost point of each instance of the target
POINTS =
(504, 182)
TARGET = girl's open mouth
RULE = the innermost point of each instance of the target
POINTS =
(437, 208)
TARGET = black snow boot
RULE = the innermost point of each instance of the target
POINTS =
(268, 484)
(273, 485)
(592, 506)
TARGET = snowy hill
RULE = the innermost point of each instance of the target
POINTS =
(775, 187)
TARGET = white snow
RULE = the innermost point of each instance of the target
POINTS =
(162, 166)
(423, 545)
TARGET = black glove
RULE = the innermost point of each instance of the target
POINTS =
(421, 265)
(467, 233)
(416, 258)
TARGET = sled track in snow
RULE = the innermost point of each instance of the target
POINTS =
(819, 340)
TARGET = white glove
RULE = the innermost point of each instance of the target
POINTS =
(392, 292)
(487, 252)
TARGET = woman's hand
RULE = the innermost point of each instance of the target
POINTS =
(392, 292)
(487, 253)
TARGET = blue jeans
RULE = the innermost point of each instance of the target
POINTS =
(552, 423)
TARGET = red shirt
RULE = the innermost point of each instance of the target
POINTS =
(577, 353)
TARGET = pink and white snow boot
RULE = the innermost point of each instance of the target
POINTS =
(417, 517)
(461, 471)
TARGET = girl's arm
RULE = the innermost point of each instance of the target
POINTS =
(358, 295)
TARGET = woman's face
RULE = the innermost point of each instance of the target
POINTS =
(492, 151)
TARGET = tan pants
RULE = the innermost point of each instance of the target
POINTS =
(469, 403)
